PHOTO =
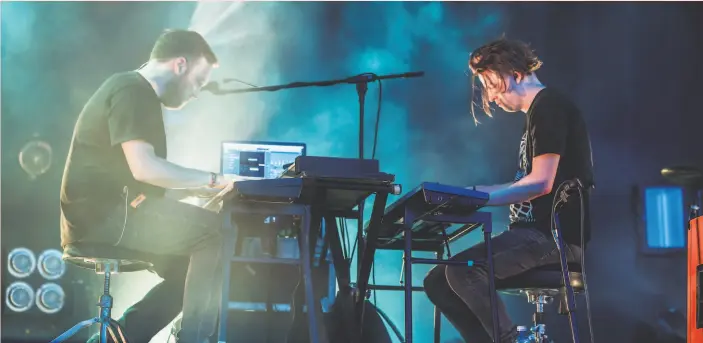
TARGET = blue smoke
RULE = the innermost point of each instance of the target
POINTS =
(426, 132)
(387, 38)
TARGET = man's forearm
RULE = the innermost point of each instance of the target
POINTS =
(493, 188)
(165, 174)
(523, 190)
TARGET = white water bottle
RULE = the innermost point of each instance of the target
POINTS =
(522, 335)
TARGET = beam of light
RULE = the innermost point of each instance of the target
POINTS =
(202, 19)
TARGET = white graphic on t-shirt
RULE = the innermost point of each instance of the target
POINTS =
(522, 212)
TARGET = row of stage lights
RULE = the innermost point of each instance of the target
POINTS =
(20, 295)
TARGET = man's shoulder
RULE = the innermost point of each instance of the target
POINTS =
(553, 100)
(553, 96)
(129, 80)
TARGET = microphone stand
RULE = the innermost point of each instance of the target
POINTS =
(362, 83)
(570, 297)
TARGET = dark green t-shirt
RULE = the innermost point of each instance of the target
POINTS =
(97, 176)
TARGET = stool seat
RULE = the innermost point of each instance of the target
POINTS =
(95, 256)
(544, 278)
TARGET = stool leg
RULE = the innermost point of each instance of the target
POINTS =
(105, 308)
(539, 328)
(74, 330)
(104, 317)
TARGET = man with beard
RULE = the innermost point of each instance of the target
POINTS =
(115, 182)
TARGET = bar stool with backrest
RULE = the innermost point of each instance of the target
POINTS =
(541, 286)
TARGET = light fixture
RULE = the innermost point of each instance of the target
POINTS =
(50, 264)
(19, 296)
(21, 262)
(50, 298)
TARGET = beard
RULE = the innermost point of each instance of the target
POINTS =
(174, 93)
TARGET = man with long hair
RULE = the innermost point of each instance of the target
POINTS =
(554, 148)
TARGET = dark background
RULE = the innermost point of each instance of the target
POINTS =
(633, 68)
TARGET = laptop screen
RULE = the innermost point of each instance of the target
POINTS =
(258, 160)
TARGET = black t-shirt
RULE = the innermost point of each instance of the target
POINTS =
(97, 176)
(555, 125)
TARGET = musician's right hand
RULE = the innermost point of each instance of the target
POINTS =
(221, 183)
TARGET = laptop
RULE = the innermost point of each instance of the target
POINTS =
(256, 160)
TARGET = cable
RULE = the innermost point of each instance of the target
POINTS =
(378, 119)
(231, 79)
(395, 329)
(343, 238)
(292, 304)
(125, 191)
(373, 279)
(558, 196)
(378, 110)
(583, 269)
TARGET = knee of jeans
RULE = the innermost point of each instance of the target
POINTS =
(463, 274)
(434, 279)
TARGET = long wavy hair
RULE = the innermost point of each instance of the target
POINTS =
(505, 57)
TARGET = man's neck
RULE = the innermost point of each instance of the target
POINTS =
(532, 87)
(156, 76)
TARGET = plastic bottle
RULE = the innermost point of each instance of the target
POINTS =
(523, 336)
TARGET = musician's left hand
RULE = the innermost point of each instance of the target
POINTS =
(205, 192)
(226, 192)
(215, 203)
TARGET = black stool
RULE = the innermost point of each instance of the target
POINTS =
(107, 260)
(542, 285)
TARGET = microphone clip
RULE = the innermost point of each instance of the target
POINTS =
(567, 189)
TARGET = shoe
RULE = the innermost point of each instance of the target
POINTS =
(176, 328)
(96, 338)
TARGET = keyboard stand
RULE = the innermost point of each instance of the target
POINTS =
(482, 219)
(232, 208)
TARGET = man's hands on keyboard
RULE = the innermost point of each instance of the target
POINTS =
(215, 204)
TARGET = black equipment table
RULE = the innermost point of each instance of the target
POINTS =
(419, 221)
(310, 195)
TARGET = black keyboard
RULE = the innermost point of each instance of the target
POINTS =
(336, 183)
(426, 200)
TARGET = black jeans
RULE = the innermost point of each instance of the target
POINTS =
(189, 246)
(460, 292)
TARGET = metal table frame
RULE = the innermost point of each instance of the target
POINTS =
(272, 209)
(312, 215)
(484, 219)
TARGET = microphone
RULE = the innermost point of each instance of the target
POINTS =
(212, 87)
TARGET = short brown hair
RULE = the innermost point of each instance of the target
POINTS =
(182, 43)
(504, 56)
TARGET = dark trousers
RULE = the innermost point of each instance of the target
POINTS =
(460, 292)
(189, 249)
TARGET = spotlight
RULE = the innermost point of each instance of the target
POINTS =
(21, 262)
(19, 296)
(50, 264)
(50, 298)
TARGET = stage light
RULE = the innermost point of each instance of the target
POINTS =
(50, 265)
(50, 298)
(664, 218)
(21, 262)
(19, 296)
